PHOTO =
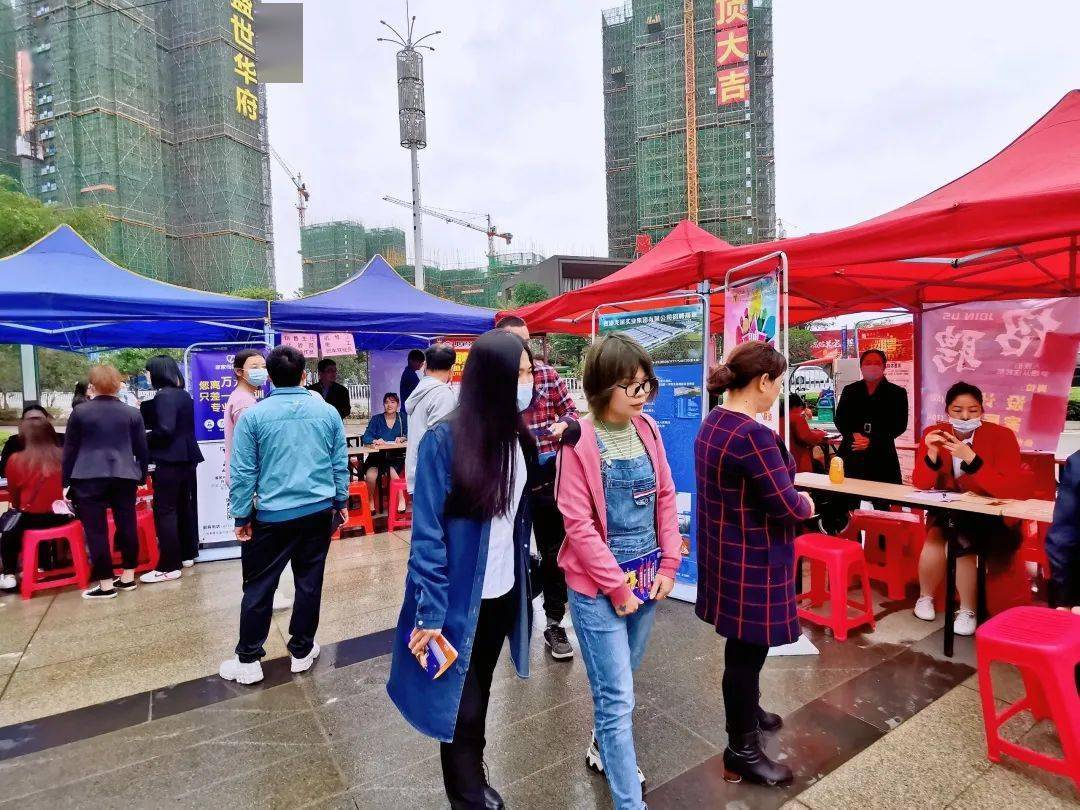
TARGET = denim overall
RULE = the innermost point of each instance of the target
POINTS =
(612, 645)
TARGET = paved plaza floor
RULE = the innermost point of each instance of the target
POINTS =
(118, 704)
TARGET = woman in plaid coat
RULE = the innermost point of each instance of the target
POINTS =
(748, 514)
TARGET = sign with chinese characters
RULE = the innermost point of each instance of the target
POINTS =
(242, 24)
(751, 312)
(732, 52)
(217, 541)
(461, 347)
(829, 344)
(675, 339)
(1021, 354)
(336, 344)
(897, 340)
(307, 344)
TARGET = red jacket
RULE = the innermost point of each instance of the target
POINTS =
(803, 440)
(31, 491)
(585, 557)
(996, 470)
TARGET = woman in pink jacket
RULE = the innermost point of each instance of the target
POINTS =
(622, 546)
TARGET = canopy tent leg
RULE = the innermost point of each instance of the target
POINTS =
(28, 361)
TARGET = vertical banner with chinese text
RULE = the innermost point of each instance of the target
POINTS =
(461, 346)
(1022, 355)
(752, 312)
(732, 52)
(675, 339)
(897, 341)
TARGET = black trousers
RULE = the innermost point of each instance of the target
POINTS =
(11, 542)
(550, 533)
(92, 498)
(463, 759)
(741, 684)
(174, 514)
(303, 542)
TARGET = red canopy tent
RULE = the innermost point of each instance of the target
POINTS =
(1008, 229)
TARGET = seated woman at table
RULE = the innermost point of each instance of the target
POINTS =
(803, 438)
(387, 428)
(966, 454)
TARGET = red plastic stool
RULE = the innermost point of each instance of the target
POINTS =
(78, 574)
(359, 517)
(840, 559)
(902, 534)
(398, 488)
(1044, 645)
(149, 553)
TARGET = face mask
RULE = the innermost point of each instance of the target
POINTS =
(524, 395)
(257, 376)
(873, 373)
(965, 425)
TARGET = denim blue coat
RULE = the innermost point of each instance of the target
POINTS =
(443, 588)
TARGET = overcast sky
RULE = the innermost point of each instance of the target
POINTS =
(876, 104)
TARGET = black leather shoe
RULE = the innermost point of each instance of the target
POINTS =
(492, 799)
(767, 721)
(744, 759)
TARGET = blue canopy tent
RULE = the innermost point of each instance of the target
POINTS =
(382, 311)
(62, 294)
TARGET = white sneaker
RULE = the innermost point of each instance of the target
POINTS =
(924, 608)
(150, 577)
(964, 624)
(233, 670)
(187, 563)
(592, 759)
(281, 601)
(305, 663)
(7, 582)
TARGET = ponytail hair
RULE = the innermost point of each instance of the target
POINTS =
(746, 363)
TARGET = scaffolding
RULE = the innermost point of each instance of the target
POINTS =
(134, 111)
(645, 126)
(479, 286)
(9, 96)
(332, 252)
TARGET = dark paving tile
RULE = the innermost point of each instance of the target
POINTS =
(335, 684)
(354, 650)
(196, 694)
(58, 729)
(895, 690)
(815, 740)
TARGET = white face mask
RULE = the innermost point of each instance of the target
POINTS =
(965, 425)
(257, 376)
(524, 395)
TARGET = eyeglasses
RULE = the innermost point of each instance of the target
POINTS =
(636, 389)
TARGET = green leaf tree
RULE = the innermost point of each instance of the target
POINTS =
(528, 293)
(258, 293)
(24, 220)
(800, 342)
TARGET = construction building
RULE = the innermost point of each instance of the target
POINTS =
(9, 104)
(704, 155)
(154, 111)
(479, 286)
(331, 252)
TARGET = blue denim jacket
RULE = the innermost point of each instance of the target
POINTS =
(443, 588)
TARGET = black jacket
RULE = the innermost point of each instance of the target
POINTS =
(105, 439)
(170, 418)
(886, 413)
(1063, 538)
(338, 396)
(410, 378)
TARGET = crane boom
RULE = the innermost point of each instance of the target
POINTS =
(490, 231)
(302, 194)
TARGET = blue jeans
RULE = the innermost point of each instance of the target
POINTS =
(613, 647)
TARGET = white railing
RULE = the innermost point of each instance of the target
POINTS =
(573, 384)
(360, 397)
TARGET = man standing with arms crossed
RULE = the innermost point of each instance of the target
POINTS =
(289, 457)
(547, 418)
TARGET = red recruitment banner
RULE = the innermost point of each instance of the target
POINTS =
(461, 347)
(828, 343)
(1021, 354)
(896, 340)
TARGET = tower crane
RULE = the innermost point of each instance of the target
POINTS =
(491, 231)
(302, 194)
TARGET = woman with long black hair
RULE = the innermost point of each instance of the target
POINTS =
(467, 581)
(170, 418)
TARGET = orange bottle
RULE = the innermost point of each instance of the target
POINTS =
(836, 470)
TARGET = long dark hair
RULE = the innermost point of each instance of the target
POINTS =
(164, 372)
(41, 452)
(486, 425)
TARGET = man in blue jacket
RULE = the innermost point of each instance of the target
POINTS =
(289, 458)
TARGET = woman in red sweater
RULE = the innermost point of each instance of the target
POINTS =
(802, 437)
(966, 454)
(35, 483)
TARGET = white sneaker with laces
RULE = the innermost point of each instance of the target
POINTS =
(150, 577)
(593, 762)
(924, 608)
(305, 663)
(233, 670)
(7, 582)
(964, 624)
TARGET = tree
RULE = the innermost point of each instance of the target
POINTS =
(131, 362)
(24, 220)
(10, 373)
(567, 351)
(800, 342)
(527, 293)
(258, 293)
(59, 371)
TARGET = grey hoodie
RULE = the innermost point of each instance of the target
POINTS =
(431, 401)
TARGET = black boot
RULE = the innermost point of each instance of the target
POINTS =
(767, 721)
(492, 799)
(744, 759)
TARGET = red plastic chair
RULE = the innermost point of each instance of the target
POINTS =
(149, 553)
(359, 515)
(1044, 645)
(840, 559)
(902, 533)
(79, 572)
(398, 488)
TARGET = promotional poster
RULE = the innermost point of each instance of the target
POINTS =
(752, 312)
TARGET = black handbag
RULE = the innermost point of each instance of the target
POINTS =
(9, 520)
